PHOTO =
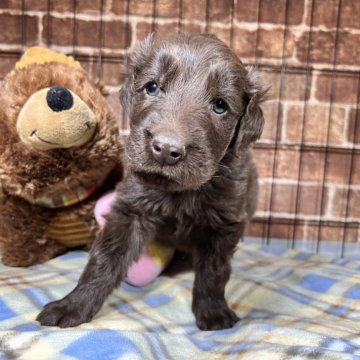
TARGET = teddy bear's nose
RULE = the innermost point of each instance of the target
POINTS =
(59, 98)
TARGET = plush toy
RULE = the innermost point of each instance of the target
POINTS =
(155, 256)
(60, 152)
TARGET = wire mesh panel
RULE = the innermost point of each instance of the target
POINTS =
(307, 51)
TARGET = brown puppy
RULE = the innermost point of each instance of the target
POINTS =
(194, 111)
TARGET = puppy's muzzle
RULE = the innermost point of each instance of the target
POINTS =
(167, 150)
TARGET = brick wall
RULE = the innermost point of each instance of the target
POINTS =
(307, 51)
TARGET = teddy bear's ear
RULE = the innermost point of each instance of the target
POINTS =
(39, 55)
(134, 64)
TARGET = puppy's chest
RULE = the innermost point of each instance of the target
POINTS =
(185, 221)
(178, 233)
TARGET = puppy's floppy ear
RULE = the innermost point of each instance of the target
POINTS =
(135, 62)
(252, 121)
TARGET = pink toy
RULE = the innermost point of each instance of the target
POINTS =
(155, 256)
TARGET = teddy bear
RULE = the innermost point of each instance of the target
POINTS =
(60, 150)
(60, 159)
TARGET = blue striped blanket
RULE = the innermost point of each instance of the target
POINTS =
(292, 304)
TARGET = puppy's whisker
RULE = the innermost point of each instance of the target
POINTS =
(225, 166)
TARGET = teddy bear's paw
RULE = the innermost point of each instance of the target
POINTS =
(63, 313)
(36, 254)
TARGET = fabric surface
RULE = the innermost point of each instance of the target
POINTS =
(293, 305)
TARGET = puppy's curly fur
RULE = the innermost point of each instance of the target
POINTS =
(192, 93)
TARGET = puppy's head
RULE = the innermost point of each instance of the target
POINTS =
(190, 100)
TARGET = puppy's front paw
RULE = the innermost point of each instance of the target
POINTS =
(216, 318)
(63, 313)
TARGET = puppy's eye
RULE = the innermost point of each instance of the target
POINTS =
(219, 106)
(152, 88)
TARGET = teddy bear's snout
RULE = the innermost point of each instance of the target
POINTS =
(59, 98)
(55, 118)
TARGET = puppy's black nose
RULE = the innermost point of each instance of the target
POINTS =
(167, 151)
(59, 98)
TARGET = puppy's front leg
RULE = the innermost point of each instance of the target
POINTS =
(212, 271)
(114, 250)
